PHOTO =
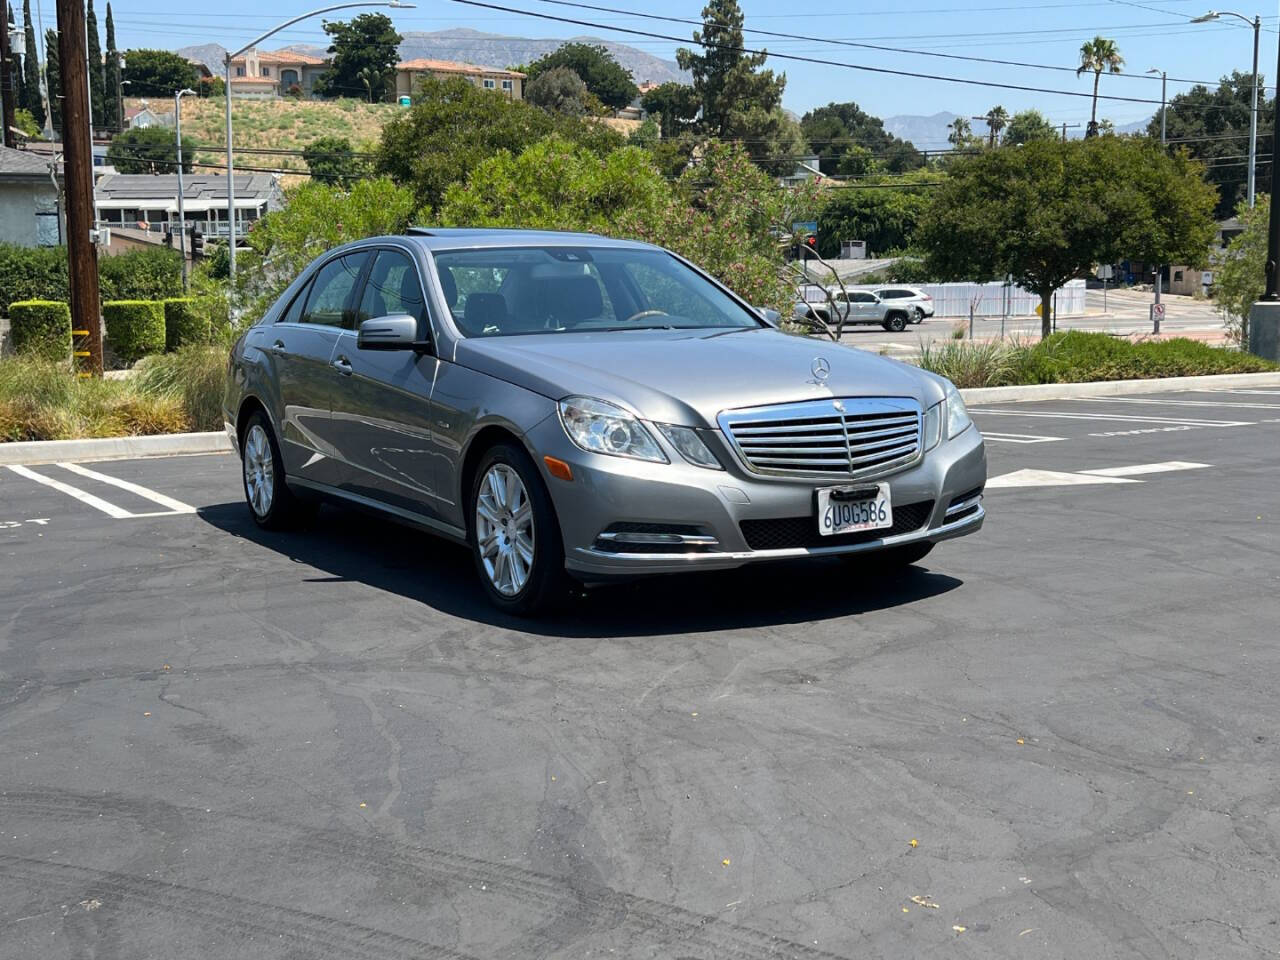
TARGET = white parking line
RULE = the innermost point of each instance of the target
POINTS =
(174, 506)
(1048, 478)
(1017, 437)
(1121, 417)
(110, 509)
(1139, 469)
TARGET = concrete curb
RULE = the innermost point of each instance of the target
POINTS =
(1113, 388)
(114, 448)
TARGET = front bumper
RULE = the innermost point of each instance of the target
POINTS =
(677, 517)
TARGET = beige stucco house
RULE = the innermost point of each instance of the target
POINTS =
(409, 72)
(264, 74)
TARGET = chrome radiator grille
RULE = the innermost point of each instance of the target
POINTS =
(827, 438)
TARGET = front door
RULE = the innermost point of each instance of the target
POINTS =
(302, 345)
(382, 400)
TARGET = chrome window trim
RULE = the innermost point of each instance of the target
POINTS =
(854, 407)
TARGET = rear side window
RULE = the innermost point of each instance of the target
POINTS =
(860, 297)
(329, 302)
(294, 313)
(896, 294)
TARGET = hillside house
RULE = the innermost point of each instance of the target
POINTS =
(410, 72)
(265, 74)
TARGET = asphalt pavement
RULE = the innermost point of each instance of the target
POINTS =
(1058, 738)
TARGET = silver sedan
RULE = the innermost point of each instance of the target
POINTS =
(578, 408)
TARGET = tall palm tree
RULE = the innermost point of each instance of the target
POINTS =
(1097, 55)
(997, 119)
(960, 132)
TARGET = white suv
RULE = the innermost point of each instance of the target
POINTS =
(919, 303)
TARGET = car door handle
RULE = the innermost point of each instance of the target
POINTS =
(278, 349)
(343, 366)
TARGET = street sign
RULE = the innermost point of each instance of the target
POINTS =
(1106, 272)
(1157, 314)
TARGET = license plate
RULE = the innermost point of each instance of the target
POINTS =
(850, 509)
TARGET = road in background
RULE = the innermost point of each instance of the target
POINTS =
(1057, 738)
(1127, 313)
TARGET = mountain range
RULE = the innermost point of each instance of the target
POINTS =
(487, 49)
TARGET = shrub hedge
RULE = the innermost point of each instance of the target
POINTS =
(186, 320)
(135, 328)
(40, 273)
(41, 328)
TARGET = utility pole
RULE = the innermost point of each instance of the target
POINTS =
(1157, 311)
(6, 77)
(1264, 317)
(77, 145)
(182, 214)
(1064, 130)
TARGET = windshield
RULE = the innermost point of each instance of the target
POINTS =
(515, 291)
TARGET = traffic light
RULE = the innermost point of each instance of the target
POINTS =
(197, 242)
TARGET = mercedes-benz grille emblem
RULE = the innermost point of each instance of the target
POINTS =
(839, 406)
(821, 368)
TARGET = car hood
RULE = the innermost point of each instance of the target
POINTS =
(689, 376)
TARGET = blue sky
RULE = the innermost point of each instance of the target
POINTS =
(1151, 33)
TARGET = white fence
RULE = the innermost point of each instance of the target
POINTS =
(991, 299)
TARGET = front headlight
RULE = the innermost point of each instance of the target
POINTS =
(933, 425)
(600, 427)
(690, 445)
(957, 416)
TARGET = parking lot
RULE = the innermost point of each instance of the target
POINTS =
(1058, 738)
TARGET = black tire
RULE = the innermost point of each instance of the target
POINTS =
(890, 561)
(547, 584)
(895, 323)
(281, 508)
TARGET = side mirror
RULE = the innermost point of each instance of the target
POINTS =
(769, 316)
(396, 332)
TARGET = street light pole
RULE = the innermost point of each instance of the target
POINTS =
(182, 213)
(1164, 81)
(1256, 23)
(231, 185)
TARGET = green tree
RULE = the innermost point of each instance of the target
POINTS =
(315, 217)
(887, 220)
(1046, 212)
(96, 78)
(606, 79)
(17, 75)
(1097, 55)
(1028, 126)
(331, 160)
(1213, 126)
(1240, 279)
(149, 150)
(740, 100)
(113, 109)
(840, 129)
(453, 125)
(364, 54)
(53, 74)
(32, 100)
(676, 106)
(24, 121)
(157, 73)
(997, 119)
(560, 90)
(556, 185)
(961, 136)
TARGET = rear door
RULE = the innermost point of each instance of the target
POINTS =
(382, 398)
(302, 343)
(865, 306)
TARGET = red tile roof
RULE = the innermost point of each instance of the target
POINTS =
(451, 66)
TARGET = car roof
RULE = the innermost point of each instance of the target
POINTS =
(451, 238)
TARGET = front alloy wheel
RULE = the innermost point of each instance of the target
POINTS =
(515, 536)
(273, 505)
(504, 529)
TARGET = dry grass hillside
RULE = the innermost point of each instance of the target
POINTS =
(283, 124)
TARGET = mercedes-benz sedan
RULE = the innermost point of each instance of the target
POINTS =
(572, 407)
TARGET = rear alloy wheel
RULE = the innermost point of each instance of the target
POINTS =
(515, 537)
(895, 323)
(273, 505)
(917, 315)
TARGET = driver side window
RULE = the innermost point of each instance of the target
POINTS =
(393, 288)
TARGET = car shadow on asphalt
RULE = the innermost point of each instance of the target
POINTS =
(347, 545)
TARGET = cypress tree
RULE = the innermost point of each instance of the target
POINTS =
(53, 74)
(95, 69)
(113, 107)
(31, 68)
